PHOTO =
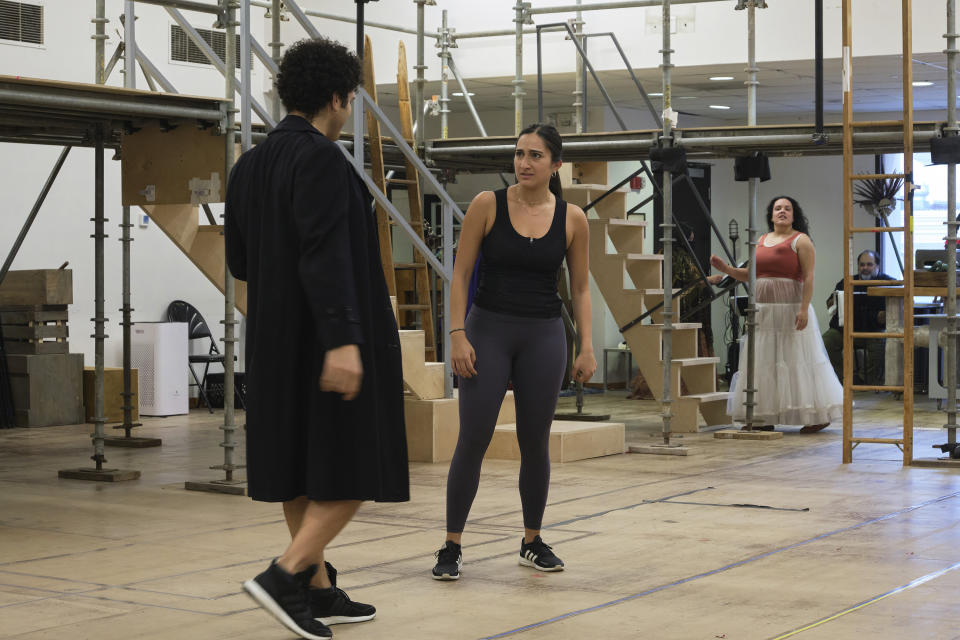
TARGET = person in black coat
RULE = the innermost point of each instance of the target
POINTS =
(325, 426)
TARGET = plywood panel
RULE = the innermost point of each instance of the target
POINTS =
(182, 165)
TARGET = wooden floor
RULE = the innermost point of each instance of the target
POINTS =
(740, 540)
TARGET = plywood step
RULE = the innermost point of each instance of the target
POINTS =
(569, 441)
(434, 425)
(424, 379)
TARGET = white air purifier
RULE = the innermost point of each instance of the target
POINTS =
(159, 352)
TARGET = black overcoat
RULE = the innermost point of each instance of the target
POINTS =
(300, 230)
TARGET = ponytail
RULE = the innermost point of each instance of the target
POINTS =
(555, 186)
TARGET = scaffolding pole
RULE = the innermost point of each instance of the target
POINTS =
(579, 98)
(519, 17)
(667, 190)
(229, 484)
(951, 249)
(130, 50)
(444, 72)
(754, 204)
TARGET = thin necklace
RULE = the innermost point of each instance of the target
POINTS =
(532, 204)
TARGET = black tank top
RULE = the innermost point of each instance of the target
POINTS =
(518, 275)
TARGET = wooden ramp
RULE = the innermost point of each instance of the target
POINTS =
(632, 282)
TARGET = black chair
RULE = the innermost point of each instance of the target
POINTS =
(197, 329)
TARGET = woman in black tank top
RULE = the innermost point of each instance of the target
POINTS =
(514, 334)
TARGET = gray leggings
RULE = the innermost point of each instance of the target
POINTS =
(532, 353)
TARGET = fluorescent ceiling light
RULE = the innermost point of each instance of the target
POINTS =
(655, 95)
(719, 106)
(459, 94)
(687, 98)
(721, 77)
(922, 83)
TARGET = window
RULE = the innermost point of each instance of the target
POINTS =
(182, 48)
(21, 22)
(929, 211)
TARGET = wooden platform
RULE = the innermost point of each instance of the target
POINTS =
(569, 441)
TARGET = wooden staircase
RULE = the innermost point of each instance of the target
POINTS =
(203, 244)
(632, 282)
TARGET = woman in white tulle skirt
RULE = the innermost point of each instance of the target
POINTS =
(795, 383)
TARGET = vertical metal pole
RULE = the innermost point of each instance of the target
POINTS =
(360, 5)
(100, 38)
(518, 77)
(818, 65)
(275, 45)
(951, 259)
(99, 321)
(229, 322)
(245, 130)
(446, 214)
(444, 76)
(129, 45)
(539, 76)
(130, 82)
(579, 104)
(418, 111)
(667, 140)
(754, 197)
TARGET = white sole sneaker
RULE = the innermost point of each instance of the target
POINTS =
(261, 597)
(345, 619)
(523, 562)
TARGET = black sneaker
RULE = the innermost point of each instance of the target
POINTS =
(285, 597)
(539, 554)
(333, 606)
(449, 561)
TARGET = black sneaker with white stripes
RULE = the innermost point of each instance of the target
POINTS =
(284, 596)
(449, 561)
(333, 606)
(539, 555)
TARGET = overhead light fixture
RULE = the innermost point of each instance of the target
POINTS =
(459, 94)
(655, 95)
(719, 106)
(922, 83)
(687, 98)
(718, 78)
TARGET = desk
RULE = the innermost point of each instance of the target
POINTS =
(628, 362)
(893, 360)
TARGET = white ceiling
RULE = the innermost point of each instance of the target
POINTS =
(786, 91)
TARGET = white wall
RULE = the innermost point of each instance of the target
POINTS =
(161, 273)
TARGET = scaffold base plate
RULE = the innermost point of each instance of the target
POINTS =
(660, 449)
(99, 475)
(736, 434)
(943, 463)
(231, 487)
(132, 442)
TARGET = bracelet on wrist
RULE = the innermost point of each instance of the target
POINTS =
(452, 331)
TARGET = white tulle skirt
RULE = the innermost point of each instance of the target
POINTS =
(795, 383)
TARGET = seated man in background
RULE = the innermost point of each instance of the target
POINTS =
(868, 315)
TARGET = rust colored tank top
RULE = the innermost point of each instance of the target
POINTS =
(780, 260)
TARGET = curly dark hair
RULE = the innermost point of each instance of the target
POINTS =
(799, 220)
(312, 71)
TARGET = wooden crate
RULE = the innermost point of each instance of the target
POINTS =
(112, 393)
(929, 279)
(47, 389)
(35, 329)
(37, 287)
